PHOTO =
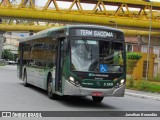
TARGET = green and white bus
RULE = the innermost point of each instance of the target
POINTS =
(75, 60)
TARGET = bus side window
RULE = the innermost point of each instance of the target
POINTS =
(55, 47)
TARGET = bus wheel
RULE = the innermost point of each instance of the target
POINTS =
(49, 89)
(97, 99)
(25, 79)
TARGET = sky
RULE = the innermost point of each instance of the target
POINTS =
(67, 4)
(85, 6)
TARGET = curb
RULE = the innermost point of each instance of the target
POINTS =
(142, 96)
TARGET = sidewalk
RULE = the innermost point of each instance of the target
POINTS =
(141, 94)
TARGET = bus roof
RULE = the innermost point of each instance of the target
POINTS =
(41, 34)
(49, 32)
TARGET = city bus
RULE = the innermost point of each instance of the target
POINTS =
(75, 60)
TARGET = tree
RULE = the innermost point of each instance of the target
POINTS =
(7, 55)
(132, 59)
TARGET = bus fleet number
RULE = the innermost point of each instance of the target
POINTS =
(108, 84)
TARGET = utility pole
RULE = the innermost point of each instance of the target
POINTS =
(149, 38)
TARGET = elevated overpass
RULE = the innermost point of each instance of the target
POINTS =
(37, 28)
(122, 15)
(104, 12)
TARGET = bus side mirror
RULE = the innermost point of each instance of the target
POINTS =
(65, 44)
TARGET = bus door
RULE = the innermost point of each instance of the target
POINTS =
(20, 60)
(59, 65)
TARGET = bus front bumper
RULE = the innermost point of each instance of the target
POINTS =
(70, 89)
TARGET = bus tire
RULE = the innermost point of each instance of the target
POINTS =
(97, 99)
(49, 89)
(25, 78)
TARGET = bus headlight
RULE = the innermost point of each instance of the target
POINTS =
(122, 81)
(71, 79)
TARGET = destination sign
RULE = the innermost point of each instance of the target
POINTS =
(95, 33)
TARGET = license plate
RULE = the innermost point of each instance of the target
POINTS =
(97, 94)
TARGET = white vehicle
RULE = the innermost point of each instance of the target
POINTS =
(11, 62)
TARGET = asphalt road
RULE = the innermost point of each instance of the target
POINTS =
(15, 97)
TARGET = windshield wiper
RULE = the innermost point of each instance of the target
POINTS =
(86, 45)
(88, 48)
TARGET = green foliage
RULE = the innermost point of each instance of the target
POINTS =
(133, 56)
(2, 64)
(7, 55)
(132, 59)
(144, 85)
(131, 82)
(130, 66)
(157, 78)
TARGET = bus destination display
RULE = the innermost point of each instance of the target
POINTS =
(95, 33)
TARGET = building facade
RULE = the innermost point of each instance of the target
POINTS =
(12, 41)
(139, 72)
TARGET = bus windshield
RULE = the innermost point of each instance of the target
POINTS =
(97, 56)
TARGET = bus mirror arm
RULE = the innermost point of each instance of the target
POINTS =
(66, 47)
